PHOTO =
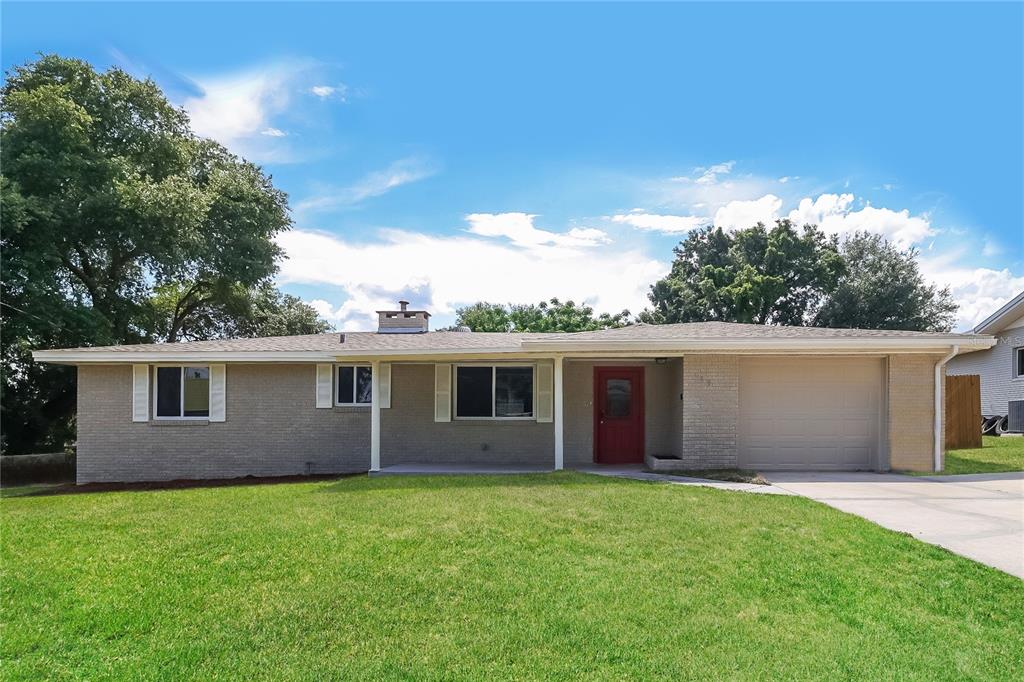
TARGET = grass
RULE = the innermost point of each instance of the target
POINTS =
(997, 453)
(537, 576)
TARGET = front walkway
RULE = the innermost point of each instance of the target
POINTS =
(979, 516)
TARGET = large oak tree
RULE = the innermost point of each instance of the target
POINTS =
(120, 226)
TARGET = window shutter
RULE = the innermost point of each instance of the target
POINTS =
(218, 398)
(325, 386)
(140, 393)
(442, 392)
(384, 384)
(545, 392)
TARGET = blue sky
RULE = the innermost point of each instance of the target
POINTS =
(454, 153)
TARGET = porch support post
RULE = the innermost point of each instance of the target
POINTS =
(559, 421)
(375, 415)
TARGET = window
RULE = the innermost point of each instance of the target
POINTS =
(355, 385)
(493, 392)
(1018, 371)
(182, 392)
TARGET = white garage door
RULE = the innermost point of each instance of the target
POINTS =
(810, 413)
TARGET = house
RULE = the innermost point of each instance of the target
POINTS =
(1001, 367)
(713, 395)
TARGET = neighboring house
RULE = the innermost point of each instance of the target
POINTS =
(1001, 367)
(715, 395)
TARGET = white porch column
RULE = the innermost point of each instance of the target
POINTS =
(375, 415)
(559, 422)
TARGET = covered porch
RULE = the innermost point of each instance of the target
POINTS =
(578, 411)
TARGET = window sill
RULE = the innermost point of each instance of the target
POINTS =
(352, 409)
(179, 422)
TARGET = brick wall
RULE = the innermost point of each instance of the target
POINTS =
(272, 428)
(911, 399)
(710, 411)
(409, 433)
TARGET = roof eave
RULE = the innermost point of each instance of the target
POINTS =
(893, 344)
(1010, 311)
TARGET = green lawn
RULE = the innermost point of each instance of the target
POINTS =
(997, 453)
(542, 576)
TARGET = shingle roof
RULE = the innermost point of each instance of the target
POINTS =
(446, 341)
(735, 330)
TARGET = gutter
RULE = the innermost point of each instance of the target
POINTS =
(938, 407)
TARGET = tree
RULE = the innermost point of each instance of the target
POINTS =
(238, 312)
(883, 289)
(758, 275)
(108, 202)
(550, 316)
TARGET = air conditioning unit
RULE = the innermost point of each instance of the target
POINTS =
(1015, 420)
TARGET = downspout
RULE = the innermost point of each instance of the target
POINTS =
(937, 464)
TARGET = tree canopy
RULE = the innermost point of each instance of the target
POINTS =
(883, 288)
(121, 226)
(759, 275)
(546, 316)
(780, 275)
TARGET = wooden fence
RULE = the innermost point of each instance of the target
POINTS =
(963, 411)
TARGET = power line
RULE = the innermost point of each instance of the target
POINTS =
(34, 317)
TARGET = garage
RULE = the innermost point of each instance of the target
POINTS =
(811, 413)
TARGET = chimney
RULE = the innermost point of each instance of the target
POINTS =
(403, 321)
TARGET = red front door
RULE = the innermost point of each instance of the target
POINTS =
(618, 415)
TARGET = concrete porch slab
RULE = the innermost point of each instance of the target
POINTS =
(459, 469)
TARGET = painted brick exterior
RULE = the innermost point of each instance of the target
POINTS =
(911, 396)
(272, 429)
(661, 408)
(711, 404)
(409, 433)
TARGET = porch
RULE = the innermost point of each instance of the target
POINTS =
(580, 412)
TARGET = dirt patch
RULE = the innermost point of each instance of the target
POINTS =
(730, 475)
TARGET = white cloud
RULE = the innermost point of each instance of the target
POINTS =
(668, 224)
(709, 175)
(738, 215)
(273, 132)
(833, 214)
(709, 189)
(328, 91)
(235, 106)
(442, 272)
(518, 228)
(979, 291)
(401, 172)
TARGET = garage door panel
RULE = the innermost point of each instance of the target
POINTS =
(809, 413)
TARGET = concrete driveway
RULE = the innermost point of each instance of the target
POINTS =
(979, 516)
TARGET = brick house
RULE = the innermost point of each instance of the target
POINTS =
(707, 395)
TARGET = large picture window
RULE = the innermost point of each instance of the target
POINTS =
(493, 392)
(355, 385)
(182, 392)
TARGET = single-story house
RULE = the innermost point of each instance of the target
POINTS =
(1000, 367)
(713, 395)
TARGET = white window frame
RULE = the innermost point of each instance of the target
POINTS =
(494, 389)
(1017, 367)
(334, 383)
(156, 393)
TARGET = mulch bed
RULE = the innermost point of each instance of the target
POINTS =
(180, 484)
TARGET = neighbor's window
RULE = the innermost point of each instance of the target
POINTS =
(1018, 353)
(182, 392)
(355, 385)
(494, 392)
